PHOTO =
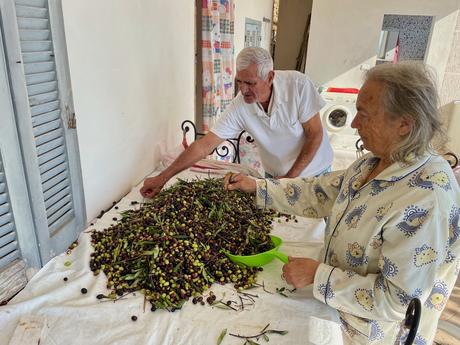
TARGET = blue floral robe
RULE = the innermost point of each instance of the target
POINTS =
(387, 241)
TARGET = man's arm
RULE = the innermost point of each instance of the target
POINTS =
(313, 130)
(198, 150)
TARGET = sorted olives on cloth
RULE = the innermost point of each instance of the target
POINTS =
(172, 248)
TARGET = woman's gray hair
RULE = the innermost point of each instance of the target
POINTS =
(258, 56)
(409, 92)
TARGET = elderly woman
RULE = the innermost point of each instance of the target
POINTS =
(393, 215)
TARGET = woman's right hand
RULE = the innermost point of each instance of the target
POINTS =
(235, 181)
(300, 272)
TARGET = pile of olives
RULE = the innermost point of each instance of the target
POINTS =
(172, 248)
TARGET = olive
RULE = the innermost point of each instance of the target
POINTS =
(170, 249)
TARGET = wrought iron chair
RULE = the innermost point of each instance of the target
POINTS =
(230, 147)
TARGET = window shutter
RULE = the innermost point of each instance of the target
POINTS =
(43, 95)
(12, 268)
(40, 83)
(18, 246)
(9, 248)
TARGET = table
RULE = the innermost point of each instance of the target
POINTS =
(56, 311)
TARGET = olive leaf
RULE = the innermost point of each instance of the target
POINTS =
(221, 336)
(117, 252)
(178, 265)
(181, 237)
(212, 212)
(220, 213)
(206, 275)
(129, 277)
(276, 332)
(153, 252)
(198, 203)
(251, 342)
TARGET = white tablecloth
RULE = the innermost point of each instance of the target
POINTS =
(61, 314)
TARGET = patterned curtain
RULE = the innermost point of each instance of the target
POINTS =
(217, 51)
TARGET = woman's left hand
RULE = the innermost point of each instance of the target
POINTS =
(300, 272)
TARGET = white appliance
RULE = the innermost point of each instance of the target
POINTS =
(339, 111)
(336, 116)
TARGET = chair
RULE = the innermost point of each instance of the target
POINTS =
(230, 148)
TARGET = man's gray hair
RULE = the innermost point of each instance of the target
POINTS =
(410, 92)
(258, 56)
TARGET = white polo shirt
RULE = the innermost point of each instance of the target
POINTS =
(279, 135)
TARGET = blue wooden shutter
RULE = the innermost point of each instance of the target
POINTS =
(12, 266)
(43, 94)
(18, 245)
(37, 55)
(9, 248)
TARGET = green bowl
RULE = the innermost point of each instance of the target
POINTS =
(260, 259)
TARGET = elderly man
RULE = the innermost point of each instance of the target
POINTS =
(393, 217)
(281, 111)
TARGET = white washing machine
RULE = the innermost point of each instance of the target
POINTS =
(339, 111)
(336, 116)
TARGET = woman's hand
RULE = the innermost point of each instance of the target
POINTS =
(300, 272)
(234, 181)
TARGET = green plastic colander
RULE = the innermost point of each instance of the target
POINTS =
(260, 259)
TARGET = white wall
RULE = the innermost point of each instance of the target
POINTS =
(132, 69)
(253, 9)
(344, 35)
(451, 84)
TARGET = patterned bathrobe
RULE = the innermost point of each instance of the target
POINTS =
(387, 241)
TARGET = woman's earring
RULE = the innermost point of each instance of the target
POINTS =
(359, 149)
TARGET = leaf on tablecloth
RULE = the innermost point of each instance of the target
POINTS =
(250, 342)
(221, 336)
(276, 332)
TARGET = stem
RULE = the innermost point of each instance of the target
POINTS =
(263, 286)
(228, 306)
(262, 332)
(265, 327)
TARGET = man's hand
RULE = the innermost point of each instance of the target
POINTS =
(152, 186)
(233, 181)
(300, 272)
(198, 150)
